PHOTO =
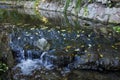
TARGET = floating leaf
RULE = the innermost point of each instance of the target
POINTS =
(101, 55)
(36, 33)
(32, 28)
(68, 47)
(83, 31)
(77, 49)
(89, 45)
(78, 35)
(82, 45)
(86, 51)
(63, 30)
(44, 19)
(64, 38)
(44, 28)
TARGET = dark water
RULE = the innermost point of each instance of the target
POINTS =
(42, 45)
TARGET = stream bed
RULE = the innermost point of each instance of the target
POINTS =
(43, 45)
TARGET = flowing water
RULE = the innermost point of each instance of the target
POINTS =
(44, 45)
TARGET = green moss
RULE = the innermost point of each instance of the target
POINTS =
(116, 29)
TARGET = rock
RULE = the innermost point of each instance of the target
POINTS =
(42, 44)
(29, 4)
(61, 58)
(92, 75)
(95, 11)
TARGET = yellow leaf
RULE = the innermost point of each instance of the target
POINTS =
(63, 30)
(68, 47)
(101, 55)
(44, 19)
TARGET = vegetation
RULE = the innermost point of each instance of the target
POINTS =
(3, 67)
(66, 5)
(116, 29)
(78, 5)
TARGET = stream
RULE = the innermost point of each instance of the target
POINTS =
(44, 45)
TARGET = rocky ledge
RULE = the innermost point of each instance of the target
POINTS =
(106, 11)
(100, 10)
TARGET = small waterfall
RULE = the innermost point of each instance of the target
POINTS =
(42, 55)
(27, 66)
(33, 58)
(29, 54)
(45, 60)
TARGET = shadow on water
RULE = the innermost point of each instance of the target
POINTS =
(41, 45)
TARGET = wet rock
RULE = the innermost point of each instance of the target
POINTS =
(42, 44)
(92, 75)
(61, 58)
(5, 53)
(90, 50)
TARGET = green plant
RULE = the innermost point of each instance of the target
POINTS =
(3, 67)
(66, 5)
(78, 5)
(36, 3)
(86, 11)
(116, 29)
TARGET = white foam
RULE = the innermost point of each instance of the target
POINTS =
(27, 66)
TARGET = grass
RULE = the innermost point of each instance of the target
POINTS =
(66, 5)
(78, 5)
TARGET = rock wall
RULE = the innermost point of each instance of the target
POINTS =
(107, 11)
(25, 4)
